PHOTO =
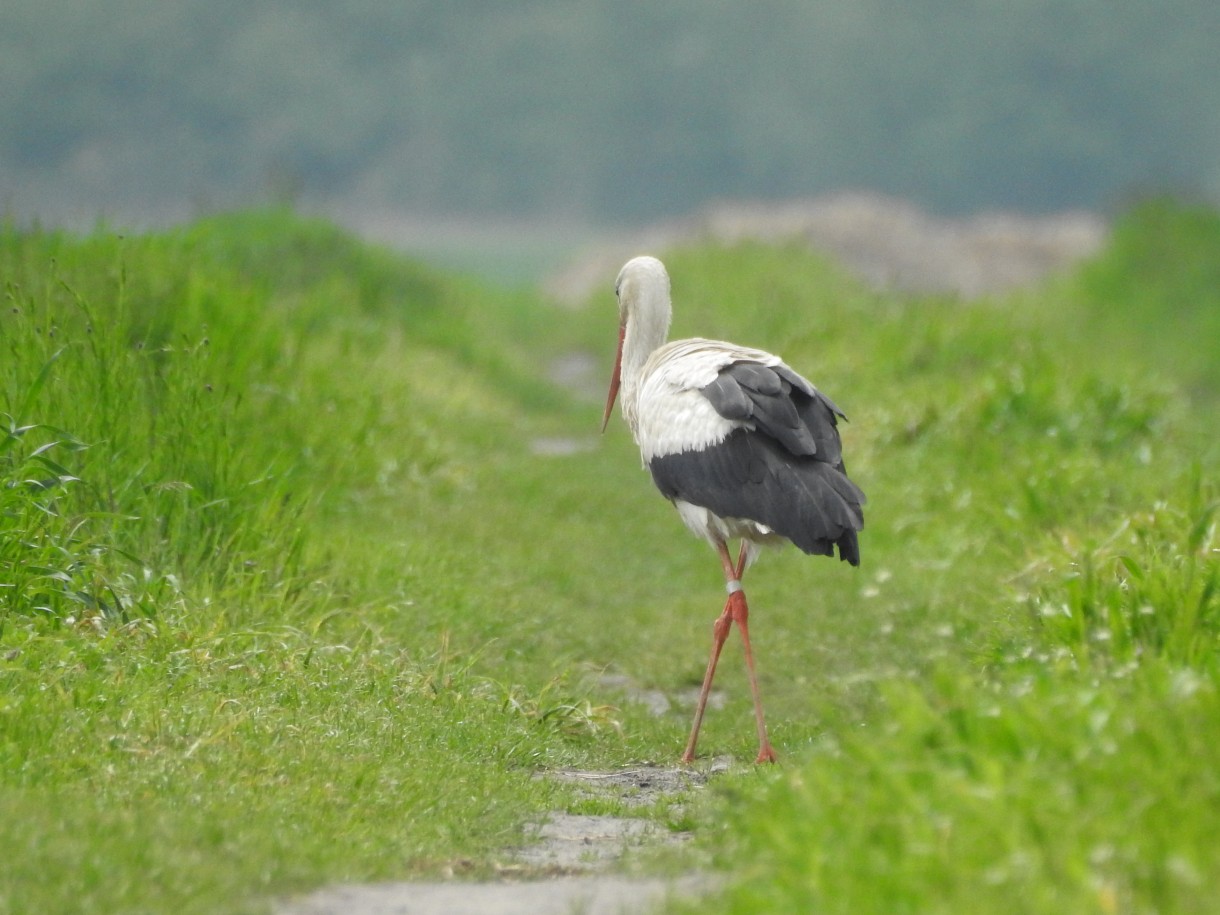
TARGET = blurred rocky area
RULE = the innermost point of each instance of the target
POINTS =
(889, 243)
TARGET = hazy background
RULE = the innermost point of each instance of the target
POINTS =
(599, 112)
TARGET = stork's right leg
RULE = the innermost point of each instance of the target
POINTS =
(720, 632)
(740, 612)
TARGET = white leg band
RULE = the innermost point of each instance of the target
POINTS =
(732, 586)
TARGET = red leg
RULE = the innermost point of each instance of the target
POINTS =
(735, 609)
(740, 568)
(720, 632)
(740, 614)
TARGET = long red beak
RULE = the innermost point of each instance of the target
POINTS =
(615, 378)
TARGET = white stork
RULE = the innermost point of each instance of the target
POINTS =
(743, 446)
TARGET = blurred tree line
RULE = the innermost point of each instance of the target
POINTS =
(607, 110)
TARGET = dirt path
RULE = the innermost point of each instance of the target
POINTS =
(569, 868)
(602, 895)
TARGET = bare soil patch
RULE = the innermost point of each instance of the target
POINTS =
(566, 869)
(602, 895)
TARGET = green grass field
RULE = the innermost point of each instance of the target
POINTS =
(288, 598)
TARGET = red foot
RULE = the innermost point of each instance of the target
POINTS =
(766, 755)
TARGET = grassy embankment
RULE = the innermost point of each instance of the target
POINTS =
(286, 598)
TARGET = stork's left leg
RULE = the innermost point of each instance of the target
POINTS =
(720, 632)
(740, 613)
(735, 610)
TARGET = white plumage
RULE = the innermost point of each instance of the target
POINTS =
(743, 446)
(678, 417)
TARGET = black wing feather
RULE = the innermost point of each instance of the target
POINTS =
(786, 472)
(781, 404)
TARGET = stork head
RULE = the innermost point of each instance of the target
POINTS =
(642, 289)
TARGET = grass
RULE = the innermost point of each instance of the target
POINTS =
(286, 598)
(199, 708)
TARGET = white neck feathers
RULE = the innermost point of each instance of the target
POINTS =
(645, 309)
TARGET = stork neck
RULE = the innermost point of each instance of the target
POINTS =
(646, 331)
